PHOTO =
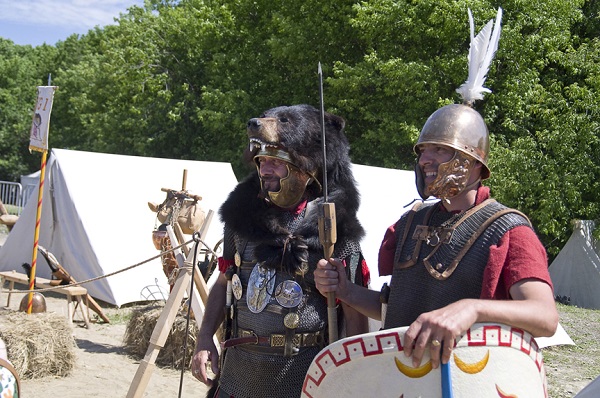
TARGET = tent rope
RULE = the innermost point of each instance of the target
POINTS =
(163, 253)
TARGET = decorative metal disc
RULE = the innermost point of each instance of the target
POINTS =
(434, 239)
(291, 320)
(236, 286)
(260, 288)
(237, 259)
(288, 294)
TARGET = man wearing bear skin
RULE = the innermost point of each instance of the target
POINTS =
(278, 320)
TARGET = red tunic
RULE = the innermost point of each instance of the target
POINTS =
(519, 255)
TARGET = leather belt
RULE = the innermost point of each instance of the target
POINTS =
(273, 308)
(276, 340)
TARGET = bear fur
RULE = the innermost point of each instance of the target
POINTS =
(298, 129)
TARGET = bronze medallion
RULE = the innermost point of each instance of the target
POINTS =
(288, 294)
(291, 320)
(236, 286)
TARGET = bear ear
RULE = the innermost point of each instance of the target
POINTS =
(337, 122)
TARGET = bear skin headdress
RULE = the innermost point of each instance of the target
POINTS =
(297, 130)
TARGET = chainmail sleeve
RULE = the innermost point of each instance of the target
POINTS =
(349, 251)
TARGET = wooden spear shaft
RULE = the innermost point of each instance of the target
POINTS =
(327, 221)
(328, 237)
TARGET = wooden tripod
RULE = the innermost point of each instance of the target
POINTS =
(167, 317)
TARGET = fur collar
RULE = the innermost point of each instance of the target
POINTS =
(254, 219)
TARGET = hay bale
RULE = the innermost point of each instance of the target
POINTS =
(139, 331)
(39, 345)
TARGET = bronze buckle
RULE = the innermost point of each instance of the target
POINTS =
(249, 333)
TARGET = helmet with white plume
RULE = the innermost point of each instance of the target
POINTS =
(459, 126)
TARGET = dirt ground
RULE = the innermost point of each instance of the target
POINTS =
(569, 368)
(103, 368)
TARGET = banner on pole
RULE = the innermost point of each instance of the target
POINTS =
(38, 137)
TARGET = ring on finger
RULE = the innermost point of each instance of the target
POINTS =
(435, 343)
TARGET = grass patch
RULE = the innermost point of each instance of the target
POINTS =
(122, 315)
(570, 368)
(12, 209)
(118, 317)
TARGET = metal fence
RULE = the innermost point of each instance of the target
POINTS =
(11, 194)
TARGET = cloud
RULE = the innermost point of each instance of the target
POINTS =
(75, 14)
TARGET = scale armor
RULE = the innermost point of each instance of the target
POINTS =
(417, 288)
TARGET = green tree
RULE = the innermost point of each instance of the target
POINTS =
(22, 69)
(180, 79)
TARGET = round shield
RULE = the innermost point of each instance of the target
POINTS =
(488, 361)
(260, 288)
(288, 294)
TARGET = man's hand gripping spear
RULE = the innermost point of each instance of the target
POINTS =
(327, 223)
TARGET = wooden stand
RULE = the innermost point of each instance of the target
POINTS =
(167, 317)
(72, 292)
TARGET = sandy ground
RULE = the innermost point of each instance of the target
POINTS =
(102, 368)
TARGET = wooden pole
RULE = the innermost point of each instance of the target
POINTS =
(36, 234)
(184, 182)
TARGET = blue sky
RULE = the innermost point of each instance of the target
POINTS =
(35, 22)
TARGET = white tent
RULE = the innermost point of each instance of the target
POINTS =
(385, 194)
(575, 272)
(96, 220)
(29, 183)
(592, 390)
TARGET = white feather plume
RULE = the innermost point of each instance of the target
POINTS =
(481, 52)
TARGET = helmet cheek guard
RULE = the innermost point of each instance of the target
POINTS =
(460, 127)
(291, 187)
(420, 181)
(452, 177)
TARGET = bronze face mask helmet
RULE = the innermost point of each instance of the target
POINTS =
(292, 186)
(462, 128)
